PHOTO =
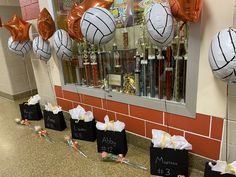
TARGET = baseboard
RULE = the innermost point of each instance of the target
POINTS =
(19, 95)
(195, 162)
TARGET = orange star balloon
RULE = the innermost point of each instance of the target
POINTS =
(18, 28)
(46, 25)
(186, 10)
(76, 13)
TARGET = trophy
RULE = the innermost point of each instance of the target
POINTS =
(94, 64)
(79, 67)
(144, 63)
(152, 72)
(129, 84)
(100, 62)
(160, 80)
(115, 75)
(180, 65)
(137, 74)
(86, 67)
(125, 32)
(116, 59)
(169, 73)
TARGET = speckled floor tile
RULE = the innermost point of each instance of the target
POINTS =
(23, 154)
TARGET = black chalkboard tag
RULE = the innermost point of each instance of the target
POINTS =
(209, 173)
(30, 112)
(54, 121)
(168, 162)
(83, 130)
(112, 142)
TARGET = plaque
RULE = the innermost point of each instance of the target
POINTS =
(115, 80)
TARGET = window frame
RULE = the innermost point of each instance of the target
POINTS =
(187, 109)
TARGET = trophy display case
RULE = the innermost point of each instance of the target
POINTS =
(130, 64)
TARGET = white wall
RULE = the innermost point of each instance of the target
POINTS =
(211, 96)
(14, 77)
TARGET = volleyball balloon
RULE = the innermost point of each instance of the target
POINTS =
(19, 47)
(222, 55)
(159, 24)
(42, 48)
(98, 25)
(62, 44)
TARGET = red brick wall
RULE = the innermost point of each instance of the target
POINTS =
(204, 132)
(29, 9)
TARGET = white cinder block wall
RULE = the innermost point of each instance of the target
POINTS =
(16, 72)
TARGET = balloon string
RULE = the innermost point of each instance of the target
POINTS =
(176, 65)
(50, 80)
(28, 77)
(227, 123)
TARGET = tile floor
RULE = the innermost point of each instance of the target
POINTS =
(22, 154)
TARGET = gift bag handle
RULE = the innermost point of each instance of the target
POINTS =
(164, 141)
(113, 125)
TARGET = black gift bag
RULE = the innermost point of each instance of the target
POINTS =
(209, 173)
(112, 142)
(168, 162)
(83, 130)
(30, 112)
(54, 121)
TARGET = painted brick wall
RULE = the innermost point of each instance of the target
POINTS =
(204, 132)
(30, 9)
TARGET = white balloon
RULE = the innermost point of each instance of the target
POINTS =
(62, 44)
(19, 48)
(98, 25)
(159, 24)
(42, 48)
(222, 55)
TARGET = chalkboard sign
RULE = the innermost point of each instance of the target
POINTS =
(83, 130)
(54, 121)
(30, 112)
(168, 162)
(112, 142)
(209, 173)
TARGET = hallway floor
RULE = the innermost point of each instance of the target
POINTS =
(23, 154)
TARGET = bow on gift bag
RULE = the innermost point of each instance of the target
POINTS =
(164, 140)
(223, 167)
(110, 125)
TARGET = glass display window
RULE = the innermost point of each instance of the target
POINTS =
(131, 65)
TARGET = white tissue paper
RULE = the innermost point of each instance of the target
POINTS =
(80, 114)
(111, 125)
(223, 167)
(165, 140)
(34, 100)
(54, 109)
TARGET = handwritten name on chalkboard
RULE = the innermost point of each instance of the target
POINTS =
(164, 172)
(82, 129)
(165, 162)
(107, 149)
(52, 120)
(27, 113)
(108, 141)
